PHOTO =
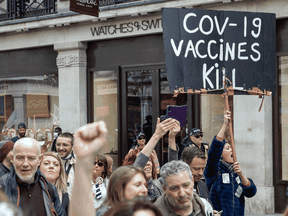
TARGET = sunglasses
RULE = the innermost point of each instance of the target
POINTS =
(198, 136)
(100, 164)
(140, 138)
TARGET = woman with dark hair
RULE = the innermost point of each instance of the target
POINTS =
(227, 185)
(99, 180)
(125, 183)
(154, 185)
(135, 207)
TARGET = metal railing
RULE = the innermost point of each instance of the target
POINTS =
(17, 9)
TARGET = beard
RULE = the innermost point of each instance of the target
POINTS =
(175, 203)
(27, 179)
(22, 135)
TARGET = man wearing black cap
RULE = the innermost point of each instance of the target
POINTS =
(6, 153)
(141, 141)
(21, 132)
(196, 139)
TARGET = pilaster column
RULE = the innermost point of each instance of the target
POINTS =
(72, 64)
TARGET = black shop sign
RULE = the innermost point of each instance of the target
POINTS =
(203, 46)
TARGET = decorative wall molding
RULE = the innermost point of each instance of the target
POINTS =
(72, 60)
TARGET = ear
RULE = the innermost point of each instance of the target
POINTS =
(12, 159)
(40, 159)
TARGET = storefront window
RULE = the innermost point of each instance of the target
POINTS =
(139, 104)
(166, 98)
(32, 100)
(283, 112)
(105, 104)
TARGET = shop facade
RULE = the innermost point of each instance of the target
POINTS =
(79, 69)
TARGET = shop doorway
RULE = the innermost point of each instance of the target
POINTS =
(144, 97)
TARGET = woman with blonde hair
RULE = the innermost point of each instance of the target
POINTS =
(52, 168)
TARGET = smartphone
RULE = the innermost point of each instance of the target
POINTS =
(176, 112)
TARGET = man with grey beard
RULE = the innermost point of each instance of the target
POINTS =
(26, 186)
(178, 198)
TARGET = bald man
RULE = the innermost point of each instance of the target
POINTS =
(26, 186)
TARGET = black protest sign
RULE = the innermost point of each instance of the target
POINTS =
(89, 7)
(203, 46)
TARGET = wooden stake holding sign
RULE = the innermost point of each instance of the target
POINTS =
(230, 126)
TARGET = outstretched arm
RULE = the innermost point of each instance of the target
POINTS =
(88, 141)
(221, 133)
(216, 149)
(172, 150)
(161, 129)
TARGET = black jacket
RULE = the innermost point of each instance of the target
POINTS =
(186, 143)
(202, 190)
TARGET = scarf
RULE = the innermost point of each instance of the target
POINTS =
(228, 166)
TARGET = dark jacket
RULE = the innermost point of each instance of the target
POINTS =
(14, 139)
(186, 143)
(222, 195)
(3, 169)
(65, 202)
(202, 190)
(200, 206)
(9, 184)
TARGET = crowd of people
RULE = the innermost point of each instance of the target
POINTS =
(75, 179)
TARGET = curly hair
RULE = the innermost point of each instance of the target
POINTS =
(130, 159)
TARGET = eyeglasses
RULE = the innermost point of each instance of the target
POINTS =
(140, 138)
(199, 136)
(100, 164)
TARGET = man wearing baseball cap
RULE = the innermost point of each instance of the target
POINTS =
(141, 142)
(196, 139)
(6, 151)
(21, 132)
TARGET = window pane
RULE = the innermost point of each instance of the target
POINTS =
(283, 81)
(166, 98)
(139, 104)
(105, 104)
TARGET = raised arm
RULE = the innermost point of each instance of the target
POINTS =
(216, 149)
(172, 150)
(161, 129)
(220, 135)
(88, 141)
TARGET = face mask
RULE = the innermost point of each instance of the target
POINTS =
(55, 134)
